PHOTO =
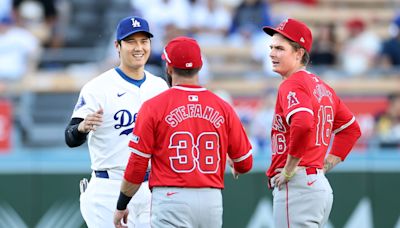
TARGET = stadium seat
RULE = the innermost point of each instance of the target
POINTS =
(44, 116)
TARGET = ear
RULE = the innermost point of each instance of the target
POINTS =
(170, 69)
(300, 53)
(116, 44)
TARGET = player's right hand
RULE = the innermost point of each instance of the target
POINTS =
(91, 122)
(121, 218)
(233, 171)
(280, 181)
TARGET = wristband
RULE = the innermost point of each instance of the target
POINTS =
(123, 201)
(77, 133)
(286, 175)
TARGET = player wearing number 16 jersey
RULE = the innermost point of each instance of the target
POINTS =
(307, 113)
(188, 133)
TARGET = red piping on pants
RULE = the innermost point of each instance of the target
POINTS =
(287, 205)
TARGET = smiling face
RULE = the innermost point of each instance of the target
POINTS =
(285, 59)
(134, 51)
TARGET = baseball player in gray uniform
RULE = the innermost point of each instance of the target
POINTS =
(105, 115)
(308, 115)
(188, 133)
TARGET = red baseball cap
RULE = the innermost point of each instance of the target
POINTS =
(183, 53)
(293, 30)
(355, 23)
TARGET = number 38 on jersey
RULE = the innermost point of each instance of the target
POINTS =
(201, 153)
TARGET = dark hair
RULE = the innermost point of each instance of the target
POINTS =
(186, 72)
(306, 57)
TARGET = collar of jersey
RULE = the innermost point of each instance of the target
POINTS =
(190, 87)
(137, 83)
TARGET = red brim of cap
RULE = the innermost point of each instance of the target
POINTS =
(271, 31)
(164, 57)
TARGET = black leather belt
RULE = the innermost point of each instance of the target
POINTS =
(104, 174)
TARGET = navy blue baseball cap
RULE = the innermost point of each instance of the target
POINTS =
(131, 25)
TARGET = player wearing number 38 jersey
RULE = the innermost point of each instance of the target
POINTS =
(307, 113)
(188, 133)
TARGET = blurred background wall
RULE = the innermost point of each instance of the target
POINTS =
(50, 48)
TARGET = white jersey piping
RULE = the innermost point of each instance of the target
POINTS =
(298, 110)
(344, 125)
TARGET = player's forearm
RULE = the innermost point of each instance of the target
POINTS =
(330, 162)
(73, 137)
(291, 164)
(128, 190)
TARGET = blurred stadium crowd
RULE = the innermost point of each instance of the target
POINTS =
(49, 48)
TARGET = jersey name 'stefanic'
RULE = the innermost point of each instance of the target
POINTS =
(188, 137)
(305, 92)
(121, 98)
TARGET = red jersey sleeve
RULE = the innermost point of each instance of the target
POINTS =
(141, 144)
(294, 97)
(298, 112)
(136, 168)
(343, 117)
(239, 147)
(143, 134)
(302, 124)
(346, 130)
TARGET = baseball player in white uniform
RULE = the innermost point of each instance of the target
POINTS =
(105, 115)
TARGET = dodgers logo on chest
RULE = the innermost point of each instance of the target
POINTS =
(124, 119)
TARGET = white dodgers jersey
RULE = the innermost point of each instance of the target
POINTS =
(121, 98)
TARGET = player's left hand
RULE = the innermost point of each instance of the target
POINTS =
(91, 122)
(121, 218)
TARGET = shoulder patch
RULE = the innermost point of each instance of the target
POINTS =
(135, 138)
(292, 99)
(81, 102)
